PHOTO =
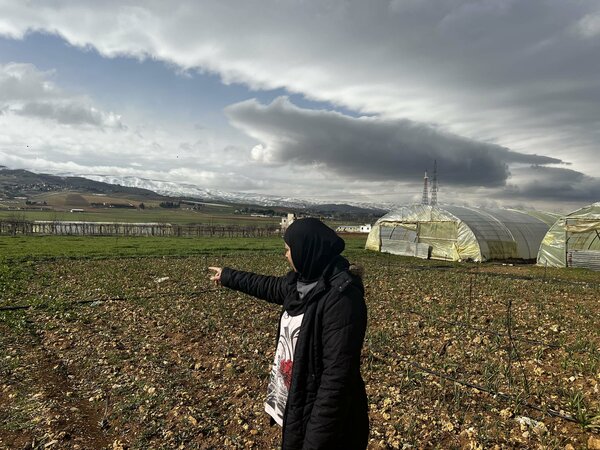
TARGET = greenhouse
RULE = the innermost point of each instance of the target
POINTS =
(573, 240)
(459, 233)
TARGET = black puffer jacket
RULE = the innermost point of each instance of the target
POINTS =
(327, 402)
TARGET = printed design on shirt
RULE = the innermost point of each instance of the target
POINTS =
(285, 371)
(280, 378)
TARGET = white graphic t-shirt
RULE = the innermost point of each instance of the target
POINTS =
(281, 371)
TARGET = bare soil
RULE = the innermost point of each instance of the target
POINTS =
(162, 359)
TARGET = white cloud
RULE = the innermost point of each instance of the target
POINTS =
(27, 91)
(203, 178)
(21, 82)
(48, 129)
(589, 25)
(152, 148)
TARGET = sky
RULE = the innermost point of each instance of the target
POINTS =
(329, 101)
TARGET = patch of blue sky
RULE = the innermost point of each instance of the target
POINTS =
(152, 87)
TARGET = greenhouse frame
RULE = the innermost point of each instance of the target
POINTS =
(573, 240)
(459, 233)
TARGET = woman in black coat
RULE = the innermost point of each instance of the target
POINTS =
(316, 392)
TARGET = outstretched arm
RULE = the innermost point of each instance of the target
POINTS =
(269, 288)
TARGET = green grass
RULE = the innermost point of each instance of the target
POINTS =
(48, 247)
(214, 216)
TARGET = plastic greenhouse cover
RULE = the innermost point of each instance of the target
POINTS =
(552, 249)
(373, 240)
(588, 212)
(476, 234)
(461, 244)
(503, 233)
(583, 226)
(442, 237)
(548, 218)
(467, 246)
(583, 223)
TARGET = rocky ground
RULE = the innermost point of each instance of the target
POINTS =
(146, 353)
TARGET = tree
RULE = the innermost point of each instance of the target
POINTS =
(169, 204)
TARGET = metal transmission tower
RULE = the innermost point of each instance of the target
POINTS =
(425, 200)
(434, 186)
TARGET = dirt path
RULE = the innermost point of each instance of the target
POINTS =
(43, 398)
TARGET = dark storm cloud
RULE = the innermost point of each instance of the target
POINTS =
(554, 184)
(371, 148)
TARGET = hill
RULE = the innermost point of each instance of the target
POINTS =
(20, 182)
(65, 192)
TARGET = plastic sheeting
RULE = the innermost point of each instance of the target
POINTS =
(442, 238)
(467, 246)
(504, 233)
(578, 231)
(583, 226)
(406, 248)
(373, 239)
(459, 233)
(552, 250)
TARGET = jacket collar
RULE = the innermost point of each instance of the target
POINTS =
(334, 276)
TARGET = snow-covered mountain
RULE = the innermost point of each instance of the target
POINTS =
(23, 182)
(175, 189)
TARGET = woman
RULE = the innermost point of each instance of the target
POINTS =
(316, 392)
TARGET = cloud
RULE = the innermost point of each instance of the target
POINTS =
(27, 91)
(71, 113)
(20, 81)
(552, 183)
(208, 178)
(147, 151)
(589, 25)
(371, 148)
(482, 86)
(521, 74)
(49, 129)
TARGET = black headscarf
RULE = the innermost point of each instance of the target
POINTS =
(313, 246)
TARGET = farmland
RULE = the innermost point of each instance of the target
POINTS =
(127, 345)
(60, 204)
(69, 205)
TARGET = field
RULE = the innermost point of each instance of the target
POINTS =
(208, 216)
(125, 344)
(58, 205)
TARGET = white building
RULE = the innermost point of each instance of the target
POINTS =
(287, 221)
(354, 228)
